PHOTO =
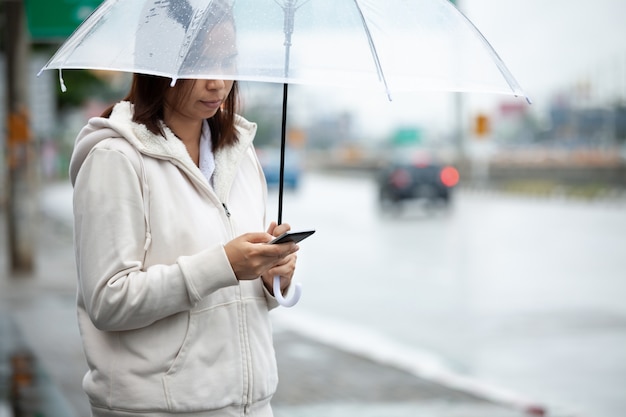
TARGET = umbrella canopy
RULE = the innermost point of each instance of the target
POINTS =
(390, 45)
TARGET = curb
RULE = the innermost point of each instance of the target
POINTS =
(373, 346)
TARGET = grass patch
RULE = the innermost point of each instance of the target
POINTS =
(552, 188)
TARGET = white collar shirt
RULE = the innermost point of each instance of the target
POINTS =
(207, 160)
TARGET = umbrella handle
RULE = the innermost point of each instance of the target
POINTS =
(287, 302)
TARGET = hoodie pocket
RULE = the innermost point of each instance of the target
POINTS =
(208, 372)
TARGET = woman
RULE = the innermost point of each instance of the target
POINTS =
(175, 273)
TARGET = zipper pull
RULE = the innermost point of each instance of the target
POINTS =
(226, 210)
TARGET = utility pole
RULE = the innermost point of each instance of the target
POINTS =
(459, 142)
(20, 191)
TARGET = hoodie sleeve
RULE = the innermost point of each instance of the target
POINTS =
(110, 237)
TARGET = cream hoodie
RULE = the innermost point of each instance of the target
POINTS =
(167, 329)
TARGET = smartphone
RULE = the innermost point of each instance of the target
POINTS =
(293, 236)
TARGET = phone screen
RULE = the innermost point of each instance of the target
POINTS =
(293, 237)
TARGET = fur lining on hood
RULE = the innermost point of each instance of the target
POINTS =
(120, 124)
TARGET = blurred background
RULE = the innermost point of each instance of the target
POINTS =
(470, 237)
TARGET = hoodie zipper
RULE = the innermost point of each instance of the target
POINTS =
(247, 356)
(226, 210)
(245, 348)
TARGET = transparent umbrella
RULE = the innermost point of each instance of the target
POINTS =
(395, 45)
(384, 45)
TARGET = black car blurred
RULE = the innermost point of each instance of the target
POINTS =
(426, 180)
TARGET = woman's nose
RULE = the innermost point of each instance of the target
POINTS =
(215, 84)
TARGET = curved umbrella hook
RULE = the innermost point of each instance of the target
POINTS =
(292, 300)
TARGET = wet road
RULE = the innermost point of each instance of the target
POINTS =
(525, 293)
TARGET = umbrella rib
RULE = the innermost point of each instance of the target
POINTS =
(195, 25)
(379, 68)
(71, 45)
(508, 77)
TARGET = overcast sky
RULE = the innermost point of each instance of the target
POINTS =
(552, 43)
(549, 45)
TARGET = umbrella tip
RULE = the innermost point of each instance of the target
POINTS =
(63, 87)
(173, 83)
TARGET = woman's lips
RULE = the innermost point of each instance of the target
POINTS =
(212, 104)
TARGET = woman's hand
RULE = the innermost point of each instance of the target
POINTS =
(286, 268)
(251, 256)
(285, 271)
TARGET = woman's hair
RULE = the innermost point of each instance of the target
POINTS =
(147, 94)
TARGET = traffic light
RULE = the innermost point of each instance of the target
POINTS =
(481, 125)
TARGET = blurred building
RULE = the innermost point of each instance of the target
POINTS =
(586, 125)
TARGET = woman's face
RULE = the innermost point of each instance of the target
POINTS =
(201, 101)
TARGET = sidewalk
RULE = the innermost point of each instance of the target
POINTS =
(37, 317)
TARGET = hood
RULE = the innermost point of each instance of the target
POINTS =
(120, 125)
